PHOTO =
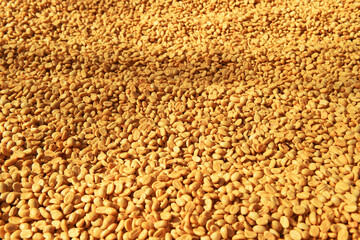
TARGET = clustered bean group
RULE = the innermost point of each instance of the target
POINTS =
(168, 119)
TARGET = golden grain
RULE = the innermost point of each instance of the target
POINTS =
(181, 120)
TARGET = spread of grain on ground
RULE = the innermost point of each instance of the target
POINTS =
(167, 119)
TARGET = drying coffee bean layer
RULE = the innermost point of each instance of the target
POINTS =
(179, 119)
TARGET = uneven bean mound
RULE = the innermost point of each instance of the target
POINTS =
(166, 119)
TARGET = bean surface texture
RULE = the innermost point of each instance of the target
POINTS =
(167, 119)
